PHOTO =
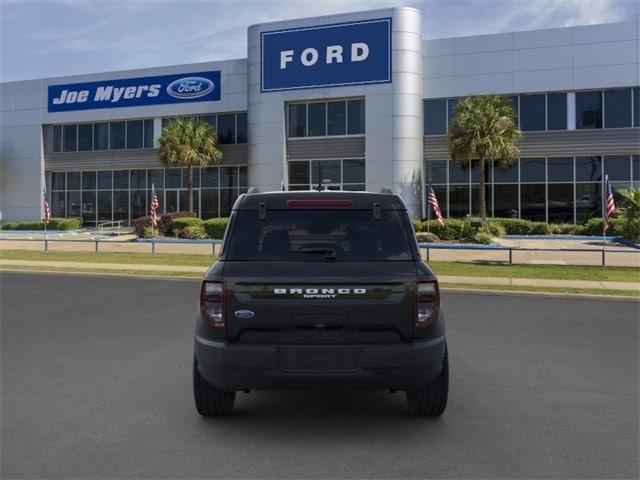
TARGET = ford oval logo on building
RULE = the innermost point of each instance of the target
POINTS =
(190, 87)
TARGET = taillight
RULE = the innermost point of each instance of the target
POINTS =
(212, 303)
(427, 303)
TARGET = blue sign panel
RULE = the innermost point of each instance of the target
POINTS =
(352, 53)
(134, 92)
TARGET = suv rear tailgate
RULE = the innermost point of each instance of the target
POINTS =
(322, 303)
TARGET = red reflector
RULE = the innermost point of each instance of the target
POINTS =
(319, 203)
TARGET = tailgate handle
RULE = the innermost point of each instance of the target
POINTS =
(322, 327)
(377, 211)
(262, 211)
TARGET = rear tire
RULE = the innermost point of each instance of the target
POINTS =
(431, 401)
(211, 402)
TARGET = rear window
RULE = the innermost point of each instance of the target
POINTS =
(320, 235)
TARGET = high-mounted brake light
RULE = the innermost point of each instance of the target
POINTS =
(427, 303)
(319, 203)
(212, 301)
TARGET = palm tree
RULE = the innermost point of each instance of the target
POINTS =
(629, 200)
(484, 129)
(189, 143)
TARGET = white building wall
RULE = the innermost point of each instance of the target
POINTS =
(560, 59)
(21, 153)
(393, 112)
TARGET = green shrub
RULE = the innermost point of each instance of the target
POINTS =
(540, 228)
(563, 229)
(55, 223)
(164, 225)
(482, 236)
(71, 223)
(630, 229)
(451, 230)
(494, 229)
(148, 232)
(593, 226)
(427, 237)
(180, 223)
(215, 227)
(417, 225)
(193, 232)
(30, 225)
(139, 225)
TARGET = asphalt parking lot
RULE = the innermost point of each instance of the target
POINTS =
(96, 383)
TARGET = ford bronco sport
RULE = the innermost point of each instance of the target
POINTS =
(319, 290)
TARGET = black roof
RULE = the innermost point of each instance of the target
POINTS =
(359, 200)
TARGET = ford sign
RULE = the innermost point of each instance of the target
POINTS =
(134, 92)
(244, 314)
(353, 53)
(190, 87)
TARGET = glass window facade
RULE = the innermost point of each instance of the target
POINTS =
(435, 117)
(321, 119)
(617, 108)
(552, 189)
(589, 109)
(137, 134)
(70, 138)
(338, 174)
(533, 112)
(85, 137)
(106, 195)
(556, 111)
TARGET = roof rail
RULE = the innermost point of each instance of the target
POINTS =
(387, 191)
(253, 190)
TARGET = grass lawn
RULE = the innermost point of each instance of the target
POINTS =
(109, 257)
(527, 288)
(556, 272)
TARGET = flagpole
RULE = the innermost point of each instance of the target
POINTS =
(45, 217)
(429, 210)
(604, 221)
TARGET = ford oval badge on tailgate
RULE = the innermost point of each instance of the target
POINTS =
(244, 314)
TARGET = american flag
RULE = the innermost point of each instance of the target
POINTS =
(153, 207)
(609, 202)
(433, 201)
(46, 208)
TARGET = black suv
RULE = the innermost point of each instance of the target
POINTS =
(319, 290)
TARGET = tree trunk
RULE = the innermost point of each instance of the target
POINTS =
(483, 200)
(190, 187)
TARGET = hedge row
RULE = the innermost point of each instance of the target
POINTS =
(183, 226)
(455, 229)
(55, 223)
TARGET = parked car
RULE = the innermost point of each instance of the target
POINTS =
(320, 290)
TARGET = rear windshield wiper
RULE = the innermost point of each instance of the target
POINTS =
(330, 253)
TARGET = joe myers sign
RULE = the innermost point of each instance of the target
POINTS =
(351, 53)
(133, 92)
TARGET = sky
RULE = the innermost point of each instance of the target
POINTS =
(50, 38)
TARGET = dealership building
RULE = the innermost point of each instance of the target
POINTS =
(356, 101)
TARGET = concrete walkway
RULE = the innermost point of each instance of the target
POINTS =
(138, 267)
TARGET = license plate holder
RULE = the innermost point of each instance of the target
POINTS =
(320, 358)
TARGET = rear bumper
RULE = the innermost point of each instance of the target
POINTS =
(232, 367)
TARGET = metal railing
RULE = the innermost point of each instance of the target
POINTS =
(153, 242)
(114, 224)
(603, 252)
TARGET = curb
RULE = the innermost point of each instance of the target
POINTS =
(524, 293)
